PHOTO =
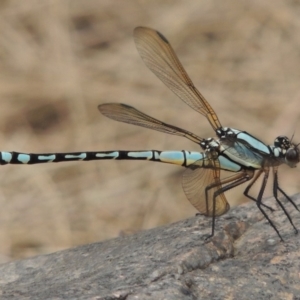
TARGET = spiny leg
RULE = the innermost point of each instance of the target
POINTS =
(242, 178)
(257, 175)
(275, 188)
(287, 197)
(232, 182)
(260, 194)
(283, 193)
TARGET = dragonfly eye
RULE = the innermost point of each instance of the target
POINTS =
(292, 156)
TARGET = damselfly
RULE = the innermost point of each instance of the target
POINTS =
(232, 150)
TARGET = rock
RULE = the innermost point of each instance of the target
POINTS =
(244, 260)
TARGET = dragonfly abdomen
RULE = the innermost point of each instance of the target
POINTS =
(182, 158)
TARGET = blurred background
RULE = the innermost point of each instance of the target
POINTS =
(60, 59)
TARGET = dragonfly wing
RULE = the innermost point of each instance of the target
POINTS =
(128, 114)
(200, 181)
(160, 58)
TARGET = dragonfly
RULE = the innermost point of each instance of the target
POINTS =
(232, 150)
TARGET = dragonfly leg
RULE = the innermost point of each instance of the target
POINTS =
(213, 185)
(260, 194)
(275, 189)
(252, 198)
(230, 183)
(287, 197)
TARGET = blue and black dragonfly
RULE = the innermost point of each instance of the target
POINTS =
(232, 150)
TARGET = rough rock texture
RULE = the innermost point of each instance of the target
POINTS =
(245, 260)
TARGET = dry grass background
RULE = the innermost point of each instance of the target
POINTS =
(60, 59)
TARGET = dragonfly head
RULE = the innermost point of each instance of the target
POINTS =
(289, 150)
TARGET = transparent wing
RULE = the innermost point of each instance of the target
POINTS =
(161, 59)
(128, 114)
(200, 181)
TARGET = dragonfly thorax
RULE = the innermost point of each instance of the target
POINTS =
(226, 132)
(211, 146)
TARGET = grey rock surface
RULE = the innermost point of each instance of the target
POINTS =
(245, 260)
